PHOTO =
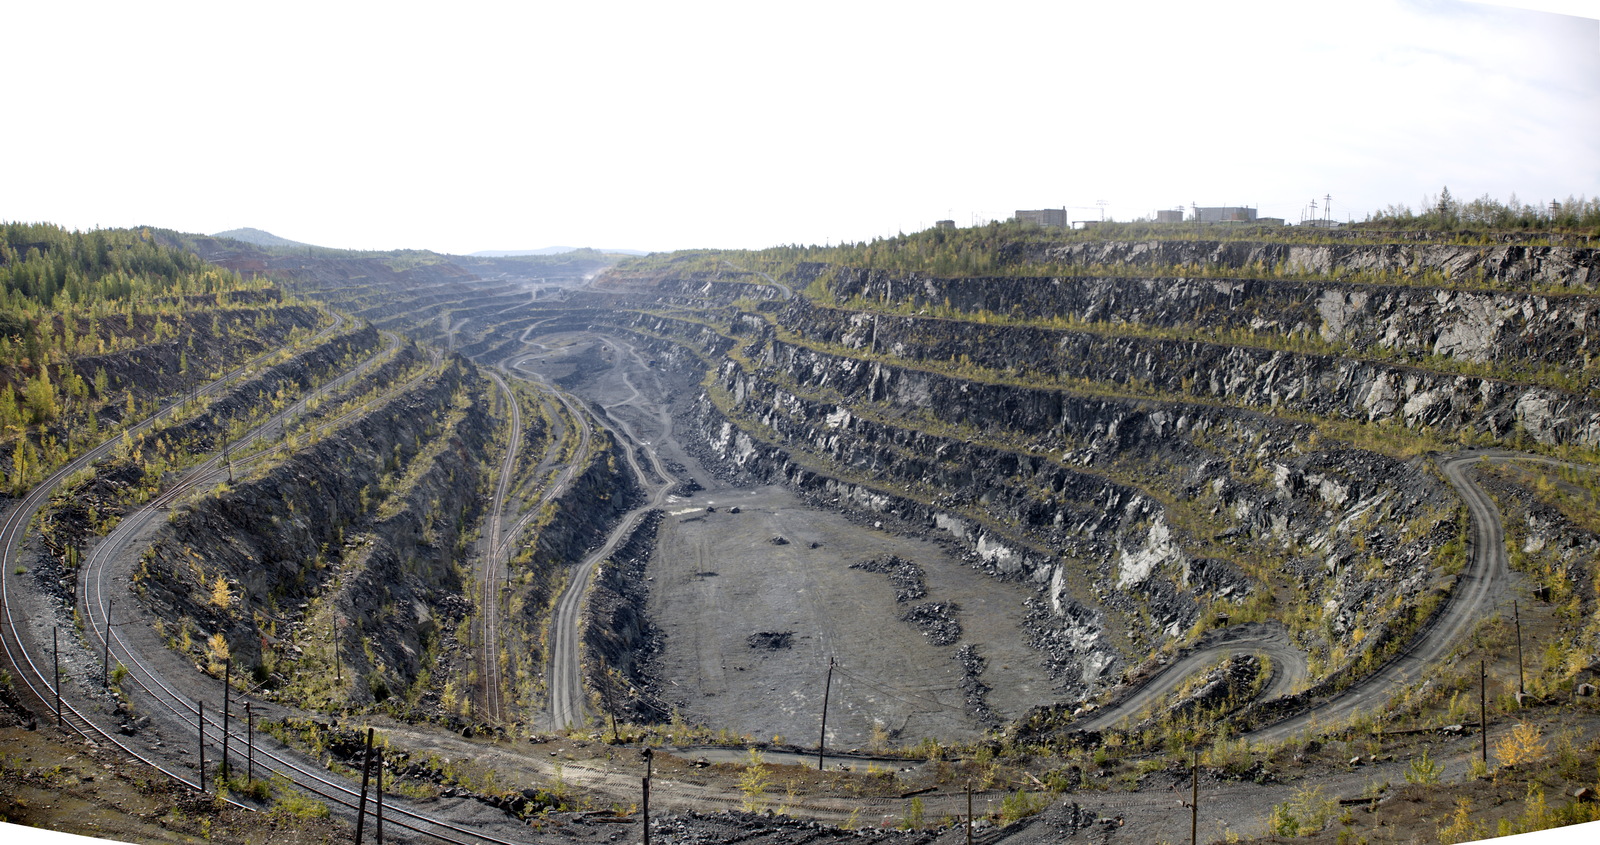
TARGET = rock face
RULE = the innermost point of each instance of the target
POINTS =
(1273, 379)
(1146, 448)
(1516, 264)
(333, 531)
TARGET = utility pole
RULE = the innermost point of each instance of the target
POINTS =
(645, 797)
(969, 812)
(1483, 712)
(105, 656)
(380, 798)
(249, 744)
(366, 770)
(1194, 801)
(1517, 615)
(827, 687)
(227, 669)
(55, 650)
(200, 722)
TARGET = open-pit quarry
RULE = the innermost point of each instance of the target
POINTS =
(1238, 516)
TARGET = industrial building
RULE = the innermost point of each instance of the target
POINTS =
(1044, 217)
(1225, 214)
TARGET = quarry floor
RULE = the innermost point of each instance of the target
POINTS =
(722, 577)
(732, 563)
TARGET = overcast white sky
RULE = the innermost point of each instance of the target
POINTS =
(466, 126)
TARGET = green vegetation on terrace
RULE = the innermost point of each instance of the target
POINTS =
(67, 295)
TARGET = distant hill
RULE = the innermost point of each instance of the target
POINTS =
(549, 250)
(257, 237)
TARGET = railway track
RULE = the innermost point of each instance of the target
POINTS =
(493, 572)
(17, 647)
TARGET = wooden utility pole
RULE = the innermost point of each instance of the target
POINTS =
(1517, 615)
(645, 795)
(105, 655)
(827, 687)
(201, 723)
(1483, 711)
(969, 812)
(1194, 801)
(249, 744)
(55, 649)
(366, 770)
(227, 669)
(380, 798)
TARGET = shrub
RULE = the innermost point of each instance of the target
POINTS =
(1423, 770)
(1524, 744)
(1020, 805)
(753, 783)
(1306, 813)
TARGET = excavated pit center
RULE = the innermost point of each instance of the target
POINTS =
(755, 593)
(751, 624)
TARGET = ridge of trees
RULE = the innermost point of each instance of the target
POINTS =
(44, 266)
(67, 295)
(1443, 212)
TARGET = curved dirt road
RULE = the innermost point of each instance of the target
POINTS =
(1486, 573)
(1289, 670)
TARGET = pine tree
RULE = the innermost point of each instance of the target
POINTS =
(221, 596)
(39, 396)
(10, 415)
